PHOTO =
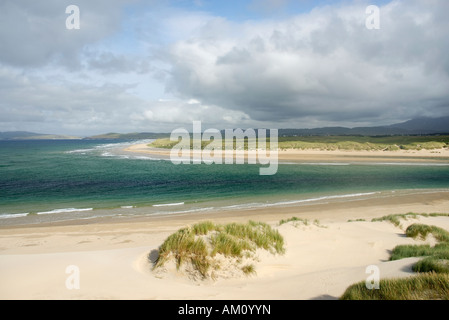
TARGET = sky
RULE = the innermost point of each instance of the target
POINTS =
(158, 65)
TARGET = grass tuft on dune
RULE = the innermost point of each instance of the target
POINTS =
(199, 245)
(432, 279)
(396, 218)
(425, 286)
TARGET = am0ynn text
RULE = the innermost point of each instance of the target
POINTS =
(227, 309)
(189, 149)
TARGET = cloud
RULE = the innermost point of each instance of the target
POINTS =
(81, 109)
(108, 62)
(34, 33)
(28, 103)
(324, 64)
(179, 113)
(137, 66)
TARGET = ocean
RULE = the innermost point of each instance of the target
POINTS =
(54, 180)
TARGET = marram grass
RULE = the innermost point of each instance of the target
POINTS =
(300, 221)
(200, 243)
(432, 264)
(249, 269)
(432, 279)
(424, 286)
(422, 231)
(410, 250)
(387, 143)
(436, 258)
(396, 218)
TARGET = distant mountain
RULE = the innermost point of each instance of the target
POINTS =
(52, 137)
(341, 131)
(412, 127)
(129, 136)
(418, 126)
(16, 135)
(425, 125)
(25, 135)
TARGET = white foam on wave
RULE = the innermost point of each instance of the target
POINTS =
(352, 195)
(109, 149)
(258, 205)
(82, 151)
(147, 158)
(169, 204)
(13, 215)
(107, 154)
(185, 211)
(116, 150)
(123, 144)
(290, 202)
(65, 210)
(246, 205)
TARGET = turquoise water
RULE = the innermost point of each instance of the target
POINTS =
(52, 180)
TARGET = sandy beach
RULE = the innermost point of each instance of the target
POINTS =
(295, 155)
(112, 256)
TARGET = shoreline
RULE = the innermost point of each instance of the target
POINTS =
(112, 255)
(216, 209)
(392, 203)
(296, 155)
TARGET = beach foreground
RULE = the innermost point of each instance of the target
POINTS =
(112, 256)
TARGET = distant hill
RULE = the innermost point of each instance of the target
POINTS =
(129, 136)
(417, 126)
(16, 135)
(425, 125)
(342, 131)
(25, 135)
